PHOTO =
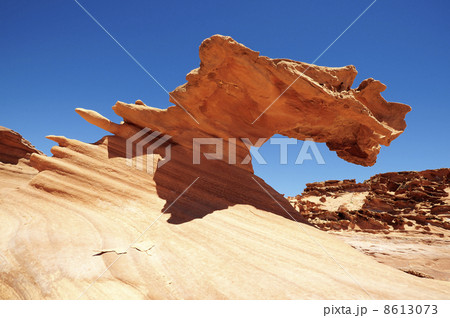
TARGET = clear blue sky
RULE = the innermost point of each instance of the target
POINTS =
(54, 58)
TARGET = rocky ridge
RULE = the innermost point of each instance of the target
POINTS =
(401, 201)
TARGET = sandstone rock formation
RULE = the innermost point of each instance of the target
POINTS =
(14, 148)
(15, 153)
(234, 85)
(90, 226)
(404, 210)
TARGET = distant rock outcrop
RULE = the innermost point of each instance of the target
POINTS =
(407, 200)
(400, 218)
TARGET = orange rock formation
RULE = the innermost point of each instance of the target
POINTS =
(63, 232)
(15, 153)
(234, 85)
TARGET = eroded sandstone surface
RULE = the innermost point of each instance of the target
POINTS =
(89, 225)
(234, 85)
(15, 153)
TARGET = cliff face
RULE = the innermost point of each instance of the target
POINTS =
(89, 225)
(400, 218)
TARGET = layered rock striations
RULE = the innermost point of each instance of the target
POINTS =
(89, 225)
(15, 153)
(13, 147)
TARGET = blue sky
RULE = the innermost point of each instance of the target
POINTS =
(54, 58)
